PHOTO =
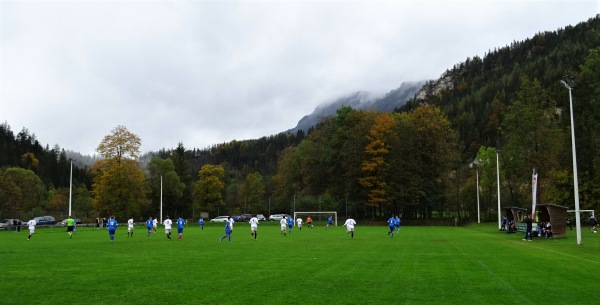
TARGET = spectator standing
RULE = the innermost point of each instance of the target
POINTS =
(529, 225)
(593, 223)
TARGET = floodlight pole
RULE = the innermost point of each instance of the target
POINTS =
(478, 211)
(71, 189)
(161, 219)
(567, 82)
(475, 165)
(498, 182)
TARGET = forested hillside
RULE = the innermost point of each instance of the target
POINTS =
(416, 161)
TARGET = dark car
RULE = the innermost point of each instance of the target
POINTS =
(64, 222)
(246, 217)
(44, 220)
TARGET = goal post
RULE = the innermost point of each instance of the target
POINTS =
(333, 214)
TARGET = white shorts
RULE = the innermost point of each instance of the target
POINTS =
(130, 228)
(168, 231)
(253, 227)
(350, 229)
(283, 227)
(31, 231)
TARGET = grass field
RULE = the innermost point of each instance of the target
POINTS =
(475, 264)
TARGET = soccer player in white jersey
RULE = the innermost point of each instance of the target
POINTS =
(349, 224)
(130, 227)
(31, 224)
(253, 226)
(155, 224)
(168, 223)
(299, 223)
(283, 223)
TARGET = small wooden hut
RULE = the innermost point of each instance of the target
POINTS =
(556, 215)
(515, 213)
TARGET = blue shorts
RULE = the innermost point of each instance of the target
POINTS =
(111, 232)
(391, 228)
(290, 226)
(227, 231)
(179, 230)
(149, 228)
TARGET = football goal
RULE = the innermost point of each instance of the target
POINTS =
(333, 215)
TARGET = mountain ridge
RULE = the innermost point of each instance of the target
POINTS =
(360, 100)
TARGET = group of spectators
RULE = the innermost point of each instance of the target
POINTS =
(544, 228)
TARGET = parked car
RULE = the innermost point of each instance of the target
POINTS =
(64, 222)
(44, 220)
(261, 217)
(219, 219)
(237, 218)
(8, 223)
(246, 217)
(278, 217)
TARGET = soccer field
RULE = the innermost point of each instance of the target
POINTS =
(475, 264)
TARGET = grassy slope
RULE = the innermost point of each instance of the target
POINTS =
(421, 265)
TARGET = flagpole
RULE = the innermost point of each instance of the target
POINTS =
(534, 183)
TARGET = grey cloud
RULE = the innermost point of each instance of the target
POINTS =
(204, 73)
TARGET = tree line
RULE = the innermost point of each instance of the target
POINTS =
(417, 161)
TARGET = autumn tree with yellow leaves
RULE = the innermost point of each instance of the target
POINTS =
(119, 185)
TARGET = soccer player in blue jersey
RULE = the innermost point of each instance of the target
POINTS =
(149, 224)
(180, 225)
(397, 223)
(329, 222)
(290, 223)
(112, 228)
(201, 223)
(227, 230)
(391, 223)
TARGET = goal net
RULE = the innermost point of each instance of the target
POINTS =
(312, 215)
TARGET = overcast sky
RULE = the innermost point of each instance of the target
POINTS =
(209, 72)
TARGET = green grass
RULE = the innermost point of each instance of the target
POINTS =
(421, 265)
